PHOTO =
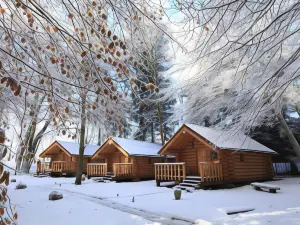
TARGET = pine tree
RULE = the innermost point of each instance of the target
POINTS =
(151, 110)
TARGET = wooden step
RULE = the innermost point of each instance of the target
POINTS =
(41, 175)
(102, 179)
(188, 184)
(193, 178)
(110, 173)
(184, 188)
(191, 181)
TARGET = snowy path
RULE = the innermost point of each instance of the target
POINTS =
(34, 200)
(111, 203)
(134, 211)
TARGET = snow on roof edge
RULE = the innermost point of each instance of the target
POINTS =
(137, 147)
(224, 140)
(73, 147)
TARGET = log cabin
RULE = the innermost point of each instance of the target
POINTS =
(207, 157)
(124, 159)
(64, 157)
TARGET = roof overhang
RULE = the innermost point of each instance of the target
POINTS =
(183, 131)
(108, 146)
(52, 147)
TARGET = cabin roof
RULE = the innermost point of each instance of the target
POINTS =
(72, 148)
(135, 147)
(215, 138)
(229, 140)
(130, 147)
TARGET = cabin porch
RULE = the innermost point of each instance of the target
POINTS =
(56, 167)
(196, 160)
(118, 171)
(208, 173)
(57, 161)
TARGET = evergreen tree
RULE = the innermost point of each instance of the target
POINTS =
(151, 111)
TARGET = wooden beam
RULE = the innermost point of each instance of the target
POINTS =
(110, 142)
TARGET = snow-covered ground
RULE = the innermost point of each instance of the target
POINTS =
(112, 203)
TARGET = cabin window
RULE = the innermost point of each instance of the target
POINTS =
(214, 156)
(241, 157)
(149, 160)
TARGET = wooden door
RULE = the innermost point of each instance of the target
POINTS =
(201, 157)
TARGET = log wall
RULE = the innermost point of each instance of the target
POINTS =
(144, 166)
(85, 162)
(252, 166)
(193, 153)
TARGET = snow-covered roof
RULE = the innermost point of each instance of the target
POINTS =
(73, 148)
(229, 140)
(134, 147)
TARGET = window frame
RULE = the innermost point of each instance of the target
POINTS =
(214, 153)
(242, 156)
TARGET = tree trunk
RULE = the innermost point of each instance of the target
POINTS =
(152, 133)
(99, 136)
(86, 136)
(35, 145)
(161, 131)
(290, 135)
(21, 148)
(81, 144)
(24, 145)
(28, 153)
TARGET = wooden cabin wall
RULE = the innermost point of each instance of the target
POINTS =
(98, 160)
(254, 167)
(143, 166)
(192, 154)
(116, 157)
(85, 162)
(62, 156)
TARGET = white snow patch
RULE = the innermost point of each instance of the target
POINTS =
(165, 184)
(134, 147)
(73, 148)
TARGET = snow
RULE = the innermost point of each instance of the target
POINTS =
(166, 184)
(265, 185)
(232, 210)
(34, 208)
(112, 203)
(228, 140)
(134, 147)
(73, 148)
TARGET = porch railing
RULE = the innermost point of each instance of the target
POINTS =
(123, 169)
(96, 169)
(210, 172)
(43, 167)
(170, 171)
(63, 166)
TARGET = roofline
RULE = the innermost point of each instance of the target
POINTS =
(193, 133)
(207, 142)
(249, 150)
(83, 155)
(153, 156)
(114, 143)
(64, 149)
(55, 142)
